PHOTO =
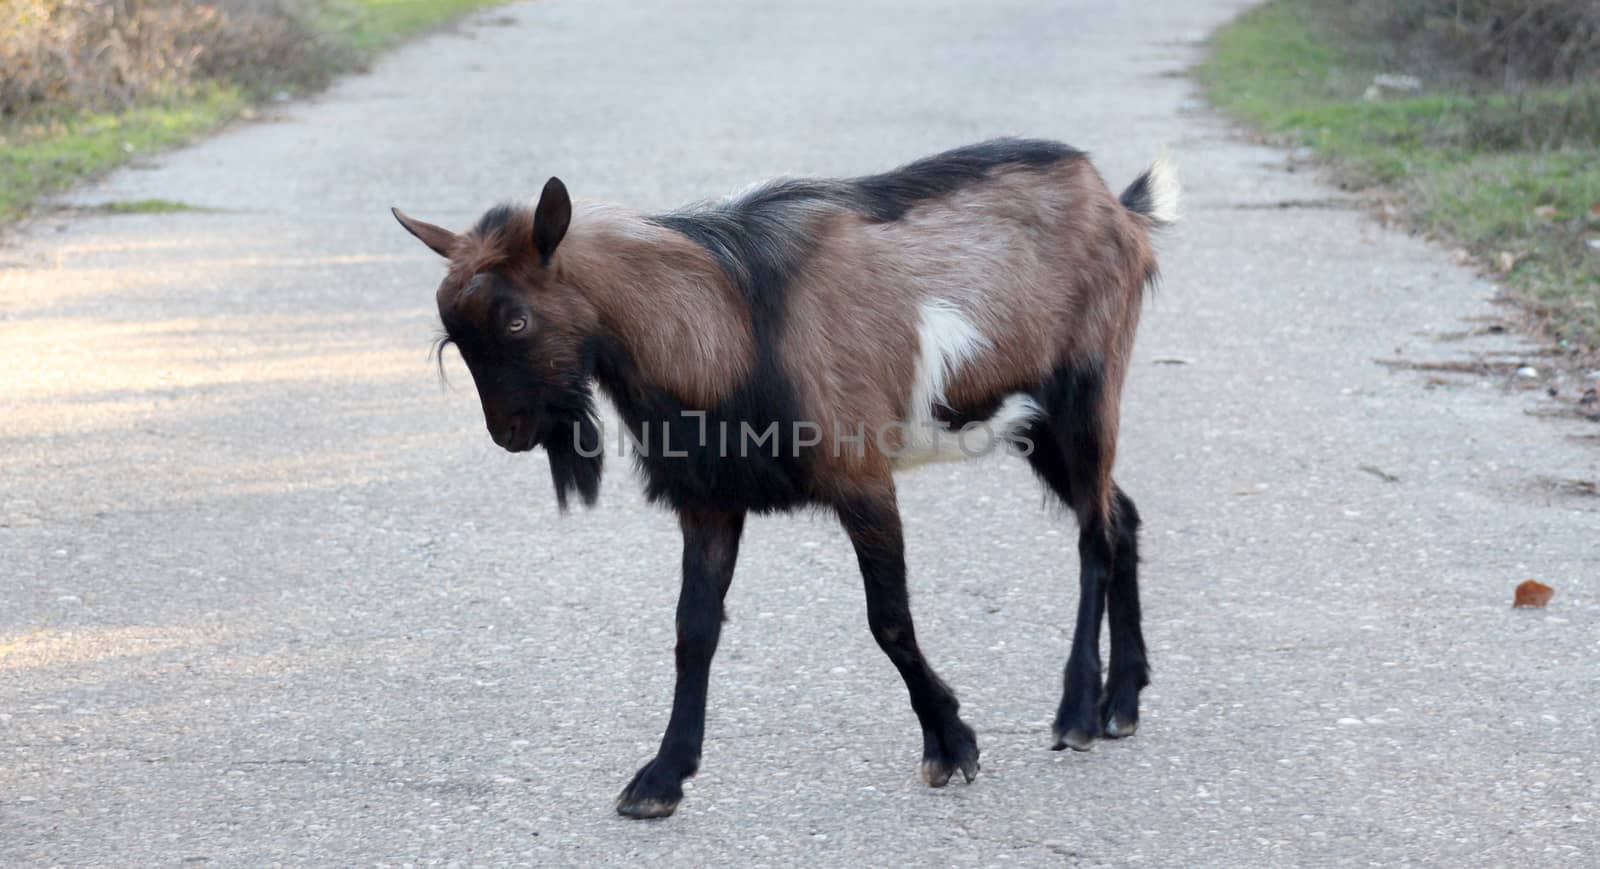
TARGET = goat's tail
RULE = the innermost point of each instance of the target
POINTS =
(1154, 194)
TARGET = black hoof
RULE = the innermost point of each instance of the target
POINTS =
(653, 793)
(1120, 712)
(1118, 727)
(1077, 725)
(1073, 738)
(645, 808)
(954, 749)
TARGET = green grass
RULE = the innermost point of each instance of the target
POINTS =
(369, 26)
(145, 206)
(1494, 172)
(45, 157)
(47, 153)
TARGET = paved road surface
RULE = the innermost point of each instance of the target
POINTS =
(271, 595)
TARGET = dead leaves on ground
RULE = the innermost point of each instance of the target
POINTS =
(1532, 595)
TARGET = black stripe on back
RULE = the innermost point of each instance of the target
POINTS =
(887, 197)
(760, 239)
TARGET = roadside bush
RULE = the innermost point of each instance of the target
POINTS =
(68, 54)
(1501, 42)
(1492, 149)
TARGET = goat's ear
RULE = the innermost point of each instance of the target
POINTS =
(550, 219)
(438, 238)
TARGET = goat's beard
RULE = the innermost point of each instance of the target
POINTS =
(576, 461)
(574, 448)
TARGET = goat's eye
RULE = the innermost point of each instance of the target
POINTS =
(517, 325)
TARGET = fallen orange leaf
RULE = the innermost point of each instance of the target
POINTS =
(1533, 594)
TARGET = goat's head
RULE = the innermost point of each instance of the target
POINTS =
(522, 331)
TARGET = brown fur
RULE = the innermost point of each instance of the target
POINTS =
(1047, 264)
(657, 292)
(1002, 280)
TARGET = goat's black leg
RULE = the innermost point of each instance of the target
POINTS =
(1078, 718)
(948, 744)
(710, 548)
(1074, 448)
(1130, 670)
(1058, 459)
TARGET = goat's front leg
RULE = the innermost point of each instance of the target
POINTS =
(710, 548)
(948, 744)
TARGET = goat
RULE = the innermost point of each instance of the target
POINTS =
(994, 288)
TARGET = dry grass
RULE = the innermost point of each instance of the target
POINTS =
(62, 56)
(89, 84)
(1499, 43)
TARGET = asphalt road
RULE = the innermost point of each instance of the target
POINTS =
(268, 593)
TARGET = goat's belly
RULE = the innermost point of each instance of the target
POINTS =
(927, 439)
(949, 343)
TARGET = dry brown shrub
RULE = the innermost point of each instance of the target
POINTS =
(108, 53)
(1500, 42)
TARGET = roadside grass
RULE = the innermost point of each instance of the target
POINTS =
(369, 26)
(45, 152)
(46, 155)
(1512, 178)
(146, 206)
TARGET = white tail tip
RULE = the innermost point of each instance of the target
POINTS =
(1165, 190)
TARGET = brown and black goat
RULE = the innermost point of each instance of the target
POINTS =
(792, 346)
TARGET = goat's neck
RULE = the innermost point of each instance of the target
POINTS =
(668, 317)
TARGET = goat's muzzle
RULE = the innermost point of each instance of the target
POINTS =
(516, 434)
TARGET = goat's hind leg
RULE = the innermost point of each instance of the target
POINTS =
(1130, 670)
(1074, 446)
(948, 744)
(1078, 717)
(710, 548)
